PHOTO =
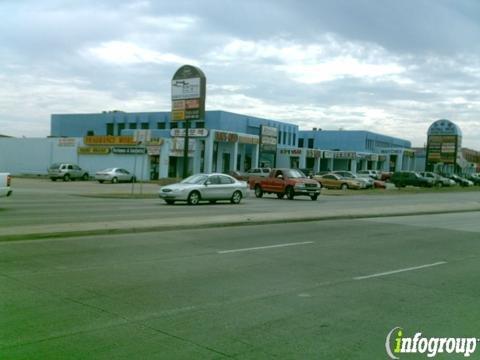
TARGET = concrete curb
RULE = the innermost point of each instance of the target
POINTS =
(68, 231)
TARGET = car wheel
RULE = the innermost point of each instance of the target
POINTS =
(258, 191)
(194, 198)
(100, 181)
(236, 197)
(290, 193)
(280, 195)
(314, 197)
(170, 202)
(114, 180)
(85, 177)
(344, 187)
(439, 184)
(66, 177)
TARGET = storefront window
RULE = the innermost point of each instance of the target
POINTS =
(120, 127)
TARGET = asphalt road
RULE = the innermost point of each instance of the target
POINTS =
(317, 290)
(41, 202)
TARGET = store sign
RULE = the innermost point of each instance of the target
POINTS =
(269, 131)
(155, 141)
(221, 136)
(345, 155)
(242, 139)
(392, 151)
(290, 151)
(441, 148)
(185, 89)
(108, 140)
(129, 150)
(153, 150)
(67, 142)
(327, 154)
(178, 147)
(268, 139)
(188, 94)
(191, 132)
(142, 136)
(313, 153)
(93, 150)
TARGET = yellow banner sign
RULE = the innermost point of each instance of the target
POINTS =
(93, 150)
(178, 115)
(108, 140)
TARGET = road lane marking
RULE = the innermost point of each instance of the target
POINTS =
(399, 271)
(264, 247)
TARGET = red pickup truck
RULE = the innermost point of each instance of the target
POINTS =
(290, 182)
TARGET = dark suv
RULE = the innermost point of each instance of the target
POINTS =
(405, 178)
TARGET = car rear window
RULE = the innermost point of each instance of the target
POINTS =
(54, 166)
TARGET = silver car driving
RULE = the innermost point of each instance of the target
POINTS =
(114, 175)
(210, 187)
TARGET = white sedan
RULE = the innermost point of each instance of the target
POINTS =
(114, 175)
(211, 187)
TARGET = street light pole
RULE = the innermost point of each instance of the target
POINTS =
(185, 149)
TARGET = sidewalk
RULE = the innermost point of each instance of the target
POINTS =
(134, 226)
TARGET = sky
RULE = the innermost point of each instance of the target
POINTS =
(387, 66)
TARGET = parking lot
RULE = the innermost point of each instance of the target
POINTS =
(42, 202)
(328, 289)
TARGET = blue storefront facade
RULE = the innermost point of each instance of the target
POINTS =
(227, 141)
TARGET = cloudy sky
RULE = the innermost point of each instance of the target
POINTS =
(388, 66)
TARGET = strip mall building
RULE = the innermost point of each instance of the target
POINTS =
(151, 145)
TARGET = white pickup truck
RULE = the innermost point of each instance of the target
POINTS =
(5, 180)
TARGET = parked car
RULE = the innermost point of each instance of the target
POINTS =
(366, 182)
(460, 180)
(437, 179)
(290, 182)
(386, 175)
(335, 181)
(5, 182)
(199, 187)
(115, 175)
(308, 172)
(374, 174)
(264, 172)
(239, 175)
(372, 183)
(475, 178)
(67, 172)
(411, 178)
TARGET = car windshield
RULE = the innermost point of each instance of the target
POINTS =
(294, 174)
(195, 179)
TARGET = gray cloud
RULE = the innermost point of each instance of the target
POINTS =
(387, 66)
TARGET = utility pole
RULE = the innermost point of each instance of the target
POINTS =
(185, 149)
